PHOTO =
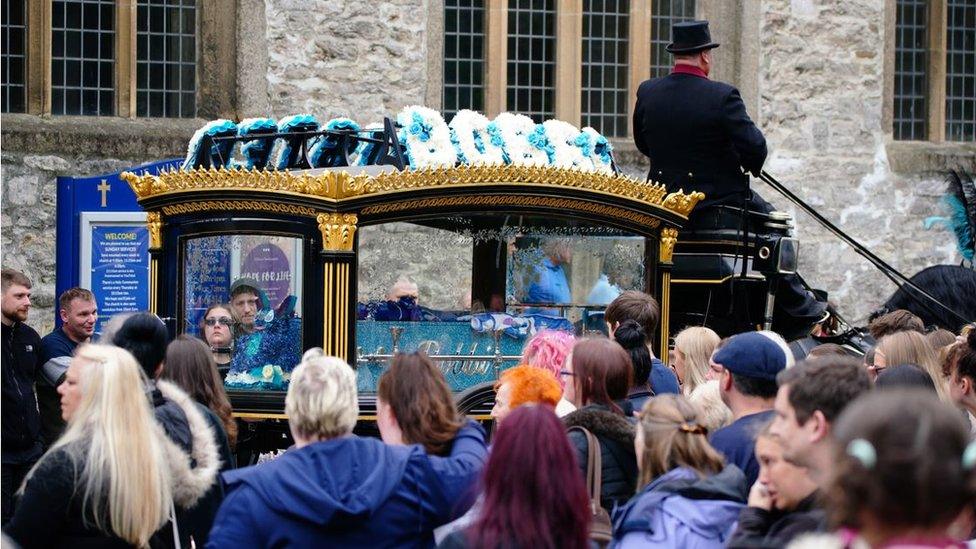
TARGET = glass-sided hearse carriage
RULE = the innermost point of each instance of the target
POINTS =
(380, 250)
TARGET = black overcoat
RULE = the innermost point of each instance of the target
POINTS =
(698, 136)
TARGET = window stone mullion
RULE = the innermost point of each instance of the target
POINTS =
(937, 70)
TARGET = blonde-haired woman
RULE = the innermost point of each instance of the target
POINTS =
(692, 348)
(109, 479)
(687, 496)
(909, 348)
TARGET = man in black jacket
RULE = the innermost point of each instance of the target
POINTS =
(698, 137)
(696, 131)
(21, 423)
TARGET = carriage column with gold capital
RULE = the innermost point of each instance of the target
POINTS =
(339, 282)
(154, 222)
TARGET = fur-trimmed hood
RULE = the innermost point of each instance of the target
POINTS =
(194, 473)
(603, 423)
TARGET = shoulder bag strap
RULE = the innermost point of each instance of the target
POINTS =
(594, 463)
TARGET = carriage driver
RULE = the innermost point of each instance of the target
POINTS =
(698, 137)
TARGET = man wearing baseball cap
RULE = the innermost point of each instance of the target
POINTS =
(746, 367)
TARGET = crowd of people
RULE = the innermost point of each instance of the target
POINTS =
(596, 443)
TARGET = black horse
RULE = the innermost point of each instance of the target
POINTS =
(953, 286)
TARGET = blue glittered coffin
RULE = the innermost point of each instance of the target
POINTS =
(435, 338)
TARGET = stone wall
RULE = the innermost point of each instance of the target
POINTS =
(363, 60)
(28, 220)
(821, 101)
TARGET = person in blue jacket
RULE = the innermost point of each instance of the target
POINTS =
(689, 497)
(335, 489)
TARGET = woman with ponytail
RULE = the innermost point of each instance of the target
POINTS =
(687, 496)
(631, 336)
(111, 479)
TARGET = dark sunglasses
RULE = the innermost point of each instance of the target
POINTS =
(224, 321)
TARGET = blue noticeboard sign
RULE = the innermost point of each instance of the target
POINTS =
(102, 240)
(119, 269)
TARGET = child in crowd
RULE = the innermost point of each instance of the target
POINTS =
(904, 473)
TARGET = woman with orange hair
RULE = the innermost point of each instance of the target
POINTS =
(524, 384)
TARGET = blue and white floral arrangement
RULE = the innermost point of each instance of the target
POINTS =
(220, 151)
(565, 140)
(521, 141)
(288, 152)
(427, 140)
(325, 152)
(365, 148)
(256, 151)
(473, 141)
(602, 153)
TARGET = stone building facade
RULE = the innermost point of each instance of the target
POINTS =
(817, 76)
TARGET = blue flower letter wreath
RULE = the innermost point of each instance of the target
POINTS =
(567, 153)
(426, 137)
(473, 141)
(289, 153)
(325, 151)
(257, 150)
(522, 145)
(219, 153)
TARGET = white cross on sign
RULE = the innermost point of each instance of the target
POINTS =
(104, 188)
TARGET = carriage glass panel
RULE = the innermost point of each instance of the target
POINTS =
(250, 289)
(471, 290)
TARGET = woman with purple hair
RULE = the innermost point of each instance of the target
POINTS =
(519, 475)
(548, 350)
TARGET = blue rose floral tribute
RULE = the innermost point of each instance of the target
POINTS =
(427, 140)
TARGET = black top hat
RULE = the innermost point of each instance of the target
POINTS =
(690, 37)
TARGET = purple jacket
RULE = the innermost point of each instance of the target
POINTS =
(679, 509)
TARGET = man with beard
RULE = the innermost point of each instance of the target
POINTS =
(21, 425)
(79, 312)
(267, 337)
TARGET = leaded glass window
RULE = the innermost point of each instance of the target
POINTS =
(464, 56)
(166, 58)
(605, 65)
(83, 57)
(14, 58)
(666, 13)
(960, 114)
(532, 58)
(911, 70)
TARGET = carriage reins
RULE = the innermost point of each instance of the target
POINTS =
(893, 274)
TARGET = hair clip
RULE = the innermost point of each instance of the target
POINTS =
(969, 456)
(693, 428)
(863, 451)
